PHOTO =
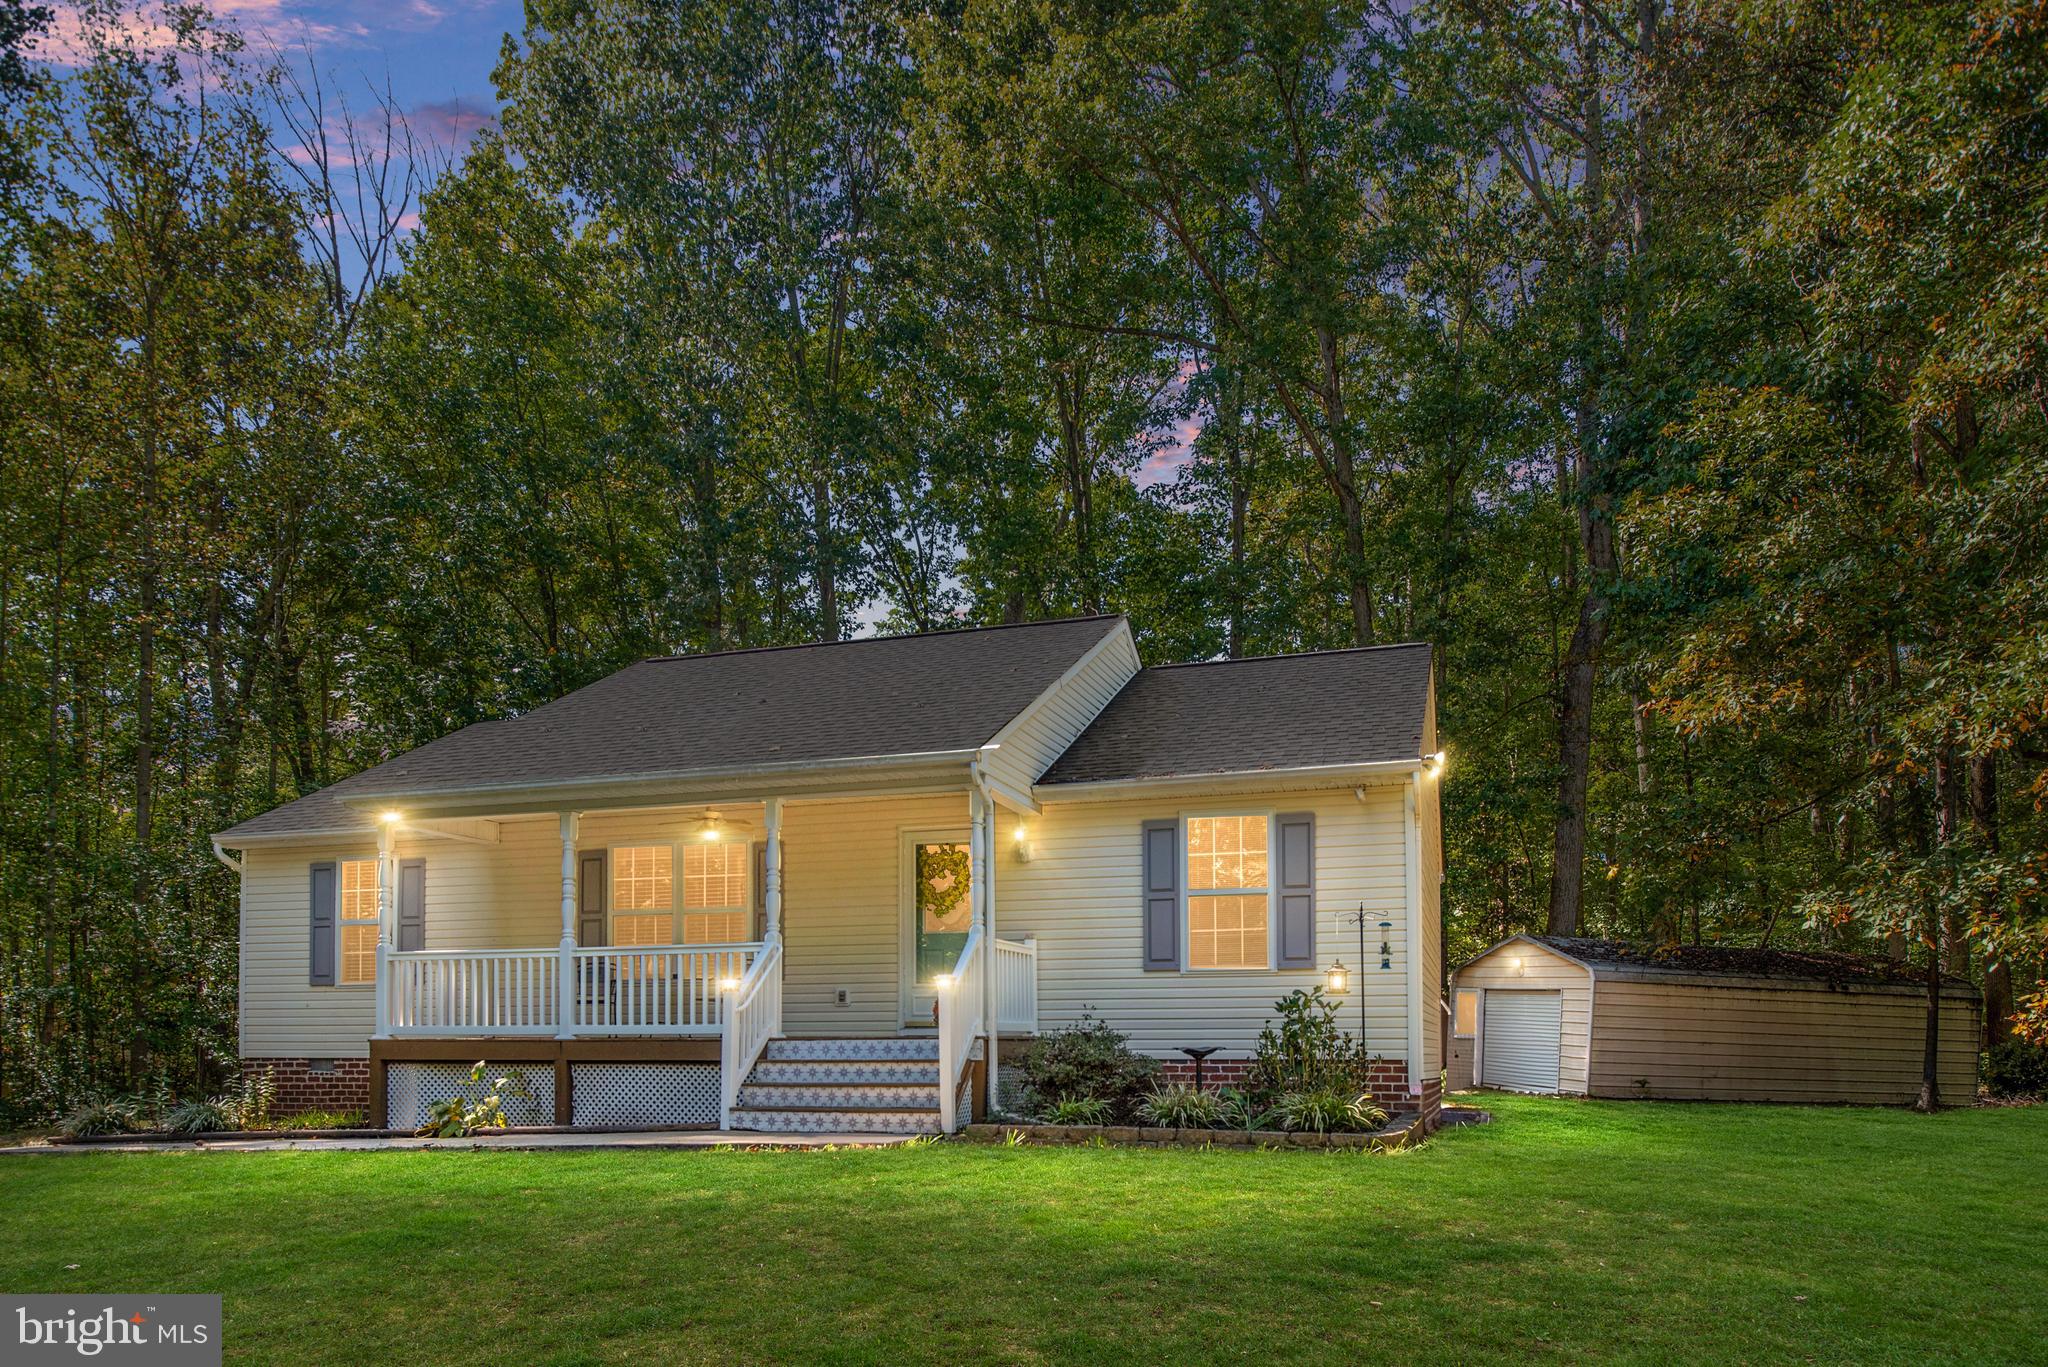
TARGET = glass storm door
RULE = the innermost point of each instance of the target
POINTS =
(940, 913)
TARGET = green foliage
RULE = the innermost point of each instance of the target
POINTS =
(200, 1117)
(1237, 1110)
(478, 1106)
(2016, 1068)
(1326, 1110)
(322, 1120)
(105, 1115)
(1181, 1107)
(1306, 1051)
(1079, 1110)
(1091, 1061)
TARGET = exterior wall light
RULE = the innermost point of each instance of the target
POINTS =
(391, 818)
(728, 984)
(1339, 978)
(1023, 843)
(944, 982)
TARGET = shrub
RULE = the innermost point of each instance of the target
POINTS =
(1237, 1110)
(200, 1117)
(2016, 1068)
(1307, 1052)
(475, 1107)
(1079, 1110)
(249, 1109)
(1088, 1059)
(1328, 1111)
(104, 1115)
(1179, 1107)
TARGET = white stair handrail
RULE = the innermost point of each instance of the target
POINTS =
(753, 1016)
(960, 1020)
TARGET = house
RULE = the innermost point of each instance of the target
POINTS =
(1584, 1017)
(833, 887)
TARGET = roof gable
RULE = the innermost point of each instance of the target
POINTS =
(793, 706)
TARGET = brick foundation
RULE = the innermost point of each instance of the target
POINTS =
(299, 1088)
(1387, 1081)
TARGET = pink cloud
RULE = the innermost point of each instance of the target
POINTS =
(452, 123)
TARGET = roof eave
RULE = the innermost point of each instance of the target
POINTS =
(1332, 775)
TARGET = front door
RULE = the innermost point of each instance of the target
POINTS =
(937, 913)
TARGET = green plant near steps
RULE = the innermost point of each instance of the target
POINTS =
(1328, 1111)
(1180, 1107)
(476, 1107)
(250, 1108)
(1088, 1059)
(105, 1115)
(1080, 1110)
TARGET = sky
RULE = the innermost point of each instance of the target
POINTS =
(435, 55)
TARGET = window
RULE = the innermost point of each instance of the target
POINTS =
(715, 909)
(1466, 1023)
(357, 918)
(643, 895)
(1229, 892)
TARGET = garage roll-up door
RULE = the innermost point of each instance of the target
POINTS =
(1518, 1041)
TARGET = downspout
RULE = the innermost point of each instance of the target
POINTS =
(228, 860)
(1412, 859)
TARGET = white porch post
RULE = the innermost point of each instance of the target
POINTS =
(990, 843)
(387, 922)
(565, 966)
(771, 860)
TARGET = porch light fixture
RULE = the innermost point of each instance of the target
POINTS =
(1436, 762)
(711, 829)
(391, 818)
(944, 982)
(1340, 978)
(1023, 839)
(728, 984)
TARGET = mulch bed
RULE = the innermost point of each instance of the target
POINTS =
(1403, 1131)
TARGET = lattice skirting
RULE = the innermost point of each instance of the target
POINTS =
(411, 1089)
(644, 1093)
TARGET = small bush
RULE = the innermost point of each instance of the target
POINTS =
(1237, 1110)
(1307, 1051)
(1079, 1110)
(200, 1117)
(1180, 1107)
(2016, 1068)
(477, 1107)
(1327, 1111)
(1088, 1059)
(104, 1115)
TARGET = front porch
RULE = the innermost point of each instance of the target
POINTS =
(631, 998)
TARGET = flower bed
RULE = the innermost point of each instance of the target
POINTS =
(1403, 1131)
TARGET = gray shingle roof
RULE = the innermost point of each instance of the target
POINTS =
(1636, 959)
(1244, 716)
(896, 695)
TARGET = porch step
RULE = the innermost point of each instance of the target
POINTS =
(758, 1094)
(882, 1085)
(891, 1048)
(823, 1072)
(825, 1121)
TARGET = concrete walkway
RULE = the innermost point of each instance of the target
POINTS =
(646, 1139)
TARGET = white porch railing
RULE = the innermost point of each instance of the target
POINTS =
(755, 1017)
(960, 1021)
(1016, 966)
(470, 992)
(655, 989)
(642, 990)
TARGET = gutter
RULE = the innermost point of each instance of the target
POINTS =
(1331, 773)
(225, 858)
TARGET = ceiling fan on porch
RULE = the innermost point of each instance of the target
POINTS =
(707, 826)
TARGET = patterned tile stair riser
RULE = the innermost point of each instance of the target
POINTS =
(856, 1086)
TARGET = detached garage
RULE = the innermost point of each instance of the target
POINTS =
(1542, 1013)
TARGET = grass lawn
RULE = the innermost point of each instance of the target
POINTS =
(1567, 1229)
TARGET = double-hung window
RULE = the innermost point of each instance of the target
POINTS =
(1229, 896)
(715, 906)
(356, 921)
(643, 895)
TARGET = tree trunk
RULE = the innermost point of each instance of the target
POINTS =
(1997, 974)
(1930, 1061)
(828, 580)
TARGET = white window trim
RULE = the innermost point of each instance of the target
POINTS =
(676, 908)
(342, 922)
(1456, 993)
(1187, 892)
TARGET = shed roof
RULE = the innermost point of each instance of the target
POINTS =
(923, 694)
(1644, 961)
(1329, 707)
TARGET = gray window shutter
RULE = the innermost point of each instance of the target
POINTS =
(1297, 891)
(324, 894)
(1162, 896)
(760, 889)
(412, 904)
(590, 917)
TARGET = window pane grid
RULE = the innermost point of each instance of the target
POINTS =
(1226, 853)
(630, 931)
(643, 878)
(715, 876)
(357, 915)
(1228, 863)
(714, 927)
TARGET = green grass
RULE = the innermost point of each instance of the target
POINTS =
(1567, 1229)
